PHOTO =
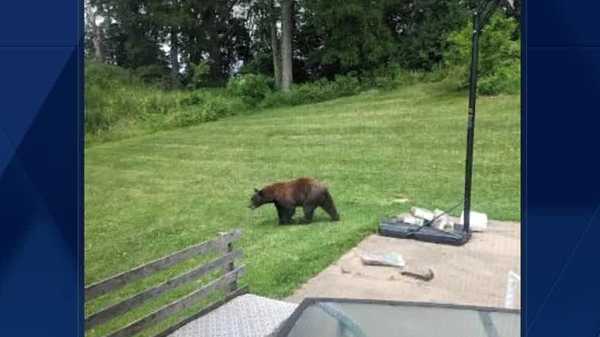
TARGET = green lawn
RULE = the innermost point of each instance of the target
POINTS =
(148, 196)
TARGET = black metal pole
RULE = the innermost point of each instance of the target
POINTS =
(471, 119)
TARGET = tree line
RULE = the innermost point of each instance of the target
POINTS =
(205, 42)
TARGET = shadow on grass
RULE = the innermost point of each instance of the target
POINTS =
(272, 222)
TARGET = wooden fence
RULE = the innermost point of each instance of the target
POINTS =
(228, 282)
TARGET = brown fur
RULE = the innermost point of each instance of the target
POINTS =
(304, 192)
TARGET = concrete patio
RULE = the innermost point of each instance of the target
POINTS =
(474, 274)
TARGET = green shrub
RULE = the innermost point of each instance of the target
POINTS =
(103, 94)
(96, 120)
(187, 116)
(380, 78)
(345, 85)
(499, 56)
(436, 74)
(313, 92)
(106, 76)
(506, 79)
(393, 76)
(157, 102)
(402, 77)
(154, 74)
(200, 75)
(119, 104)
(192, 99)
(251, 88)
(208, 108)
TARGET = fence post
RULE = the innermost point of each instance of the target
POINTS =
(227, 247)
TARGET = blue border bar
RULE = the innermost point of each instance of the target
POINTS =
(561, 187)
(41, 168)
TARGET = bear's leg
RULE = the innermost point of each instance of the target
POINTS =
(309, 211)
(285, 214)
(329, 206)
(289, 212)
(281, 214)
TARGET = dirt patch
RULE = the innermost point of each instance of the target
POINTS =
(474, 274)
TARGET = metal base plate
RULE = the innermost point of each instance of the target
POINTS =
(399, 229)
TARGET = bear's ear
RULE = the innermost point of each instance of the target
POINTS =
(256, 190)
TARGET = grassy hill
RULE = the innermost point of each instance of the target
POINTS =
(151, 195)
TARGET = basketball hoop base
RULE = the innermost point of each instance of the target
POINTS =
(399, 229)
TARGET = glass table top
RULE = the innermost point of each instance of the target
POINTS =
(348, 318)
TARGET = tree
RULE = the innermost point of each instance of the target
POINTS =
(94, 30)
(170, 16)
(420, 30)
(166, 38)
(348, 35)
(316, 38)
(275, 44)
(174, 55)
(286, 44)
(218, 36)
(263, 17)
(133, 35)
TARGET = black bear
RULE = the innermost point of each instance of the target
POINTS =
(306, 192)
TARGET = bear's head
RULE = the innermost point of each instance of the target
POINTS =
(258, 199)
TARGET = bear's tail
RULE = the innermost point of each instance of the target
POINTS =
(329, 206)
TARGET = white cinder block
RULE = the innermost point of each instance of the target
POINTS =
(413, 220)
(422, 213)
(478, 221)
(442, 221)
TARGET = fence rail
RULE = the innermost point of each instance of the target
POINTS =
(227, 282)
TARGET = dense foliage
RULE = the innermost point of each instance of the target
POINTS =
(499, 56)
(120, 104)
(250, 87)
(156, 64)
(136, 34)
(164, 40)
(337, 37)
